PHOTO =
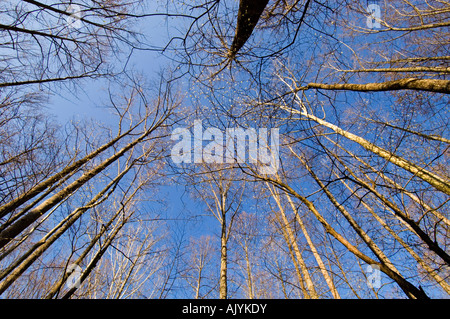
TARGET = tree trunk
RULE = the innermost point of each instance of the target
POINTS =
(432, 245)
(293, 241)
(433, 179)
(395, 184)
(12, 231)
(223, 289)
(430, 85)
(407, 286)
(17, 268)
(63, 174)
(408, 248)
(311, 245)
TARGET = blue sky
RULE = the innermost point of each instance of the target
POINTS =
(185, 214)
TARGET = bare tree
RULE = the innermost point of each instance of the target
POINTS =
(143, 149)
(199, 274)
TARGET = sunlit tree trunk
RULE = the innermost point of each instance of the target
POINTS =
(316, 254)
(310, 291)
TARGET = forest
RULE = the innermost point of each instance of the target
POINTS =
(220, 149)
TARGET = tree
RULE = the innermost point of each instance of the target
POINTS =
(30, 210)
(358, 96)
(223, 201)
(199, 273)
(318, 92)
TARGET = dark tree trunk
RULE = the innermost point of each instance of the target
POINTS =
(248, 16)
